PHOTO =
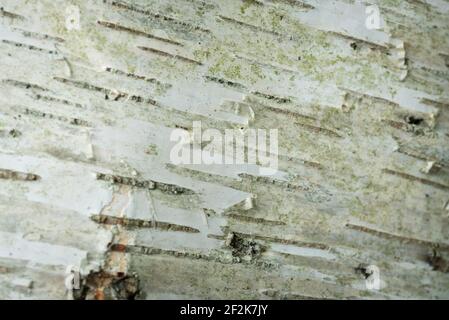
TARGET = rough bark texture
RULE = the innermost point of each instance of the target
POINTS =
(86, 181)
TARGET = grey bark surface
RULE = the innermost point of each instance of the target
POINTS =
(86, 181)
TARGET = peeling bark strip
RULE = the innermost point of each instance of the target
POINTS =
(391, 236)
(119, 27)
(418, 179)
(17, 175)
(146, 184)
(138, 223)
